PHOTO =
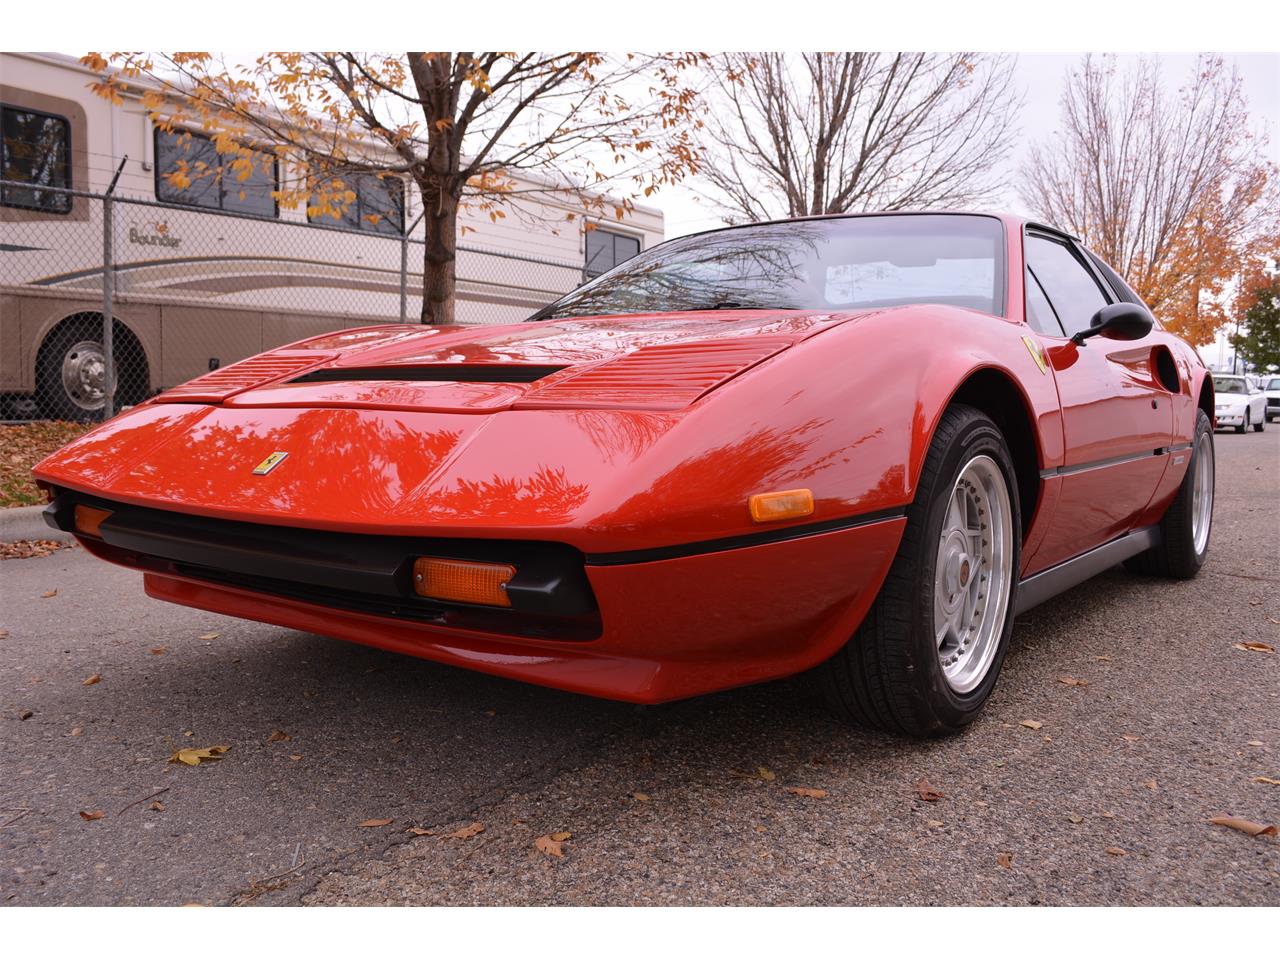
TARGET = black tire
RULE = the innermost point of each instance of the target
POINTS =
(1244, 426)
(58, 402)
(1261, 424)
(888, 675)
(1176, 556)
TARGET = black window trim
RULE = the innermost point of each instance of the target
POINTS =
(1052, 309)
(70, 185)
(1077, 250)
(157, 177)
(360, 227)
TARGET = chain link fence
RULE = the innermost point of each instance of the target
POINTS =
(191, 289)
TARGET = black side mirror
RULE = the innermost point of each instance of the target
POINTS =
(1119, 321)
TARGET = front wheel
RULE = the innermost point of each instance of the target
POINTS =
(1244, 424)
(926, 658)
(1261, 424)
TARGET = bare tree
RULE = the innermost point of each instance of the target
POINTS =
(810, 133)
(1166, 186)
(486, 128)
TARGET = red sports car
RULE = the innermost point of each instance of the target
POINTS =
(857, 445)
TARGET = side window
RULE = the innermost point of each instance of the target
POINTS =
(377, 208)
(1122, 289)
(190, 170)
(1068, 284)
(1040, 313)
(36, 149)
(605, 250)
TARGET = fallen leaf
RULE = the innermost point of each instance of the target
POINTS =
(91, 814)
(1075, 818)
(25, 715)
(1256, 743)
(374, 823)
(1236, 823)
(1032, 724)
(1005, 860)
(1115, 851)
(157, 806)
(420, 832)
(90, 681)
(159, 651)
(1073, 681)
(766, 774)
(1255, 646)
(927, 793)
(1107, 815)
(1131, 737)
(550, 845)
(1270, 780)
(1103, 658)
(277, 736)
(806, 792)
(209, 636)
(4, 634)
(48, 593)
(295, 756)
(642, 797)
(467, 832)
(934, 823)
(1152, 785)
(194, 756)
(561, 836)
(76, 731)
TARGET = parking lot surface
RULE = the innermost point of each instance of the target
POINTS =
(1130, 712)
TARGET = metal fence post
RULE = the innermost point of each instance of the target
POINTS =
(108, 300)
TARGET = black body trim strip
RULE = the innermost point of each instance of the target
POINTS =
(1036, 589)
(744, 540)
(439, 373)
(1099, 464)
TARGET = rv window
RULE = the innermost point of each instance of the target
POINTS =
(190, 170)
(605, 250)
(37, 150)
(378, 207)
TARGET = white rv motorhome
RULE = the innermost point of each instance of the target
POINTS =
(217, 271)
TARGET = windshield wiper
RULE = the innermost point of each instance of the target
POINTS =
(739, 305)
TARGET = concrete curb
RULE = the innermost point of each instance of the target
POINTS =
(25, 523)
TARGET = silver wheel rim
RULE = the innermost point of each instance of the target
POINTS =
(84, 374)
(1202, 494)
(974, 574)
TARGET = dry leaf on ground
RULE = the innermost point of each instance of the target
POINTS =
(1005, 860)
(295, 756)
(159, 651)
(766, 774)
(90, 681)
(1255, 646)
(1152, 785)
(374, 823)
(1075, 818)
(194, 756)
(48, 593)
(1271, 780)
(467, 832)
(552, 844)
(1032, 724)
(25, 715)
(642, 797)
(1246, 826)
(157, 806)
(926, 792)
(1131, 737)
(1073, 681)
(277, 736)
(1115, 851)
(421, 832)
(209, 636)
(806, 792)
(91, 814)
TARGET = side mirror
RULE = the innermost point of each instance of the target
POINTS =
(1118, 321)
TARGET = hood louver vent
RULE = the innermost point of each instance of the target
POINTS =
(661, 377)
(217, 385)
(439, 373)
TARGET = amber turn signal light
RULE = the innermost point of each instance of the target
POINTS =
(463, 581)
(89, 520)
(781, 505)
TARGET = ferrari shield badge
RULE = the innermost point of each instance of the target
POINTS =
(1037, 354)
(269, 464)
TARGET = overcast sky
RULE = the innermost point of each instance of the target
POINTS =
(1040, 77)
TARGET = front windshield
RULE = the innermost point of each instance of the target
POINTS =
(849, 263)
(1229, 385)
(1274, 384)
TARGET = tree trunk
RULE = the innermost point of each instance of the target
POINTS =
(439, 267)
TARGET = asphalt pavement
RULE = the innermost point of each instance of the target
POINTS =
(1103, 797)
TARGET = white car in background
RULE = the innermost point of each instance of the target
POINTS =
(1271, 391)
(1237, 403)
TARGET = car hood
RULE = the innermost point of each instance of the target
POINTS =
(651, 362)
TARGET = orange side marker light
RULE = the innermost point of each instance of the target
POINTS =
(89, 520)
(781, 505)
(463, 581)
